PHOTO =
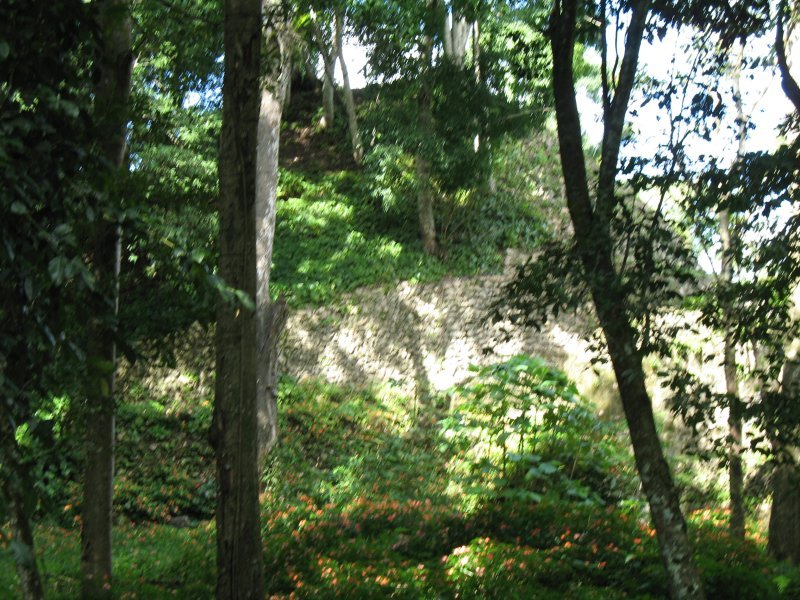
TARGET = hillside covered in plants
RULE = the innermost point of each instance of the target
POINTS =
(183, 178)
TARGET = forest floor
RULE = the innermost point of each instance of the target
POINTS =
(367, 498)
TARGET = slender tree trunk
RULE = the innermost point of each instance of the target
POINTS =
(13, 495)
(234, 430)
(328, 88)
(425, 195)
(347, 92)
(476, 50)
(270, 316)
(735, 466)
(594, 243)
(328, 55)
(788, 82)
(735, 418)
(30, 584)
(111, 103)
(425, 199)
(455, 38)
(784, 521)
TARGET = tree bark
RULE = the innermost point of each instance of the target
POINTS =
(784, 520)
(789, 83)
(234, 429)
(328, 88)
(347, 92)
(729, 240)
(328, 66)
(270, 316)
(594, 244)
(425, 197)
(455, 38)
(111, 103)
(13, 494)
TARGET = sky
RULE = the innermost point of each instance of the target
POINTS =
(764, 102)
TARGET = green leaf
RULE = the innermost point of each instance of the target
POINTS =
(58, 269)
(548, 468)
(63, 230)
(5, 50)
(18, 208)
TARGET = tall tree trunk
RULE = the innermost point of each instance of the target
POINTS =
(328, 54)
(270, 316)
(234, 429)
(328, 89)
(30, 583)
(455, 38)
(476, 50)
(784, 520)
(595, 247)
(735, 466)
(729, 241)
(425, 195)
(13, 495)
(347, 92)
(111, 106)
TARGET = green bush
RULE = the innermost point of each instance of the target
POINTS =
(527, 434)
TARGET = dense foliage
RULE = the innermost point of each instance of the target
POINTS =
(509, 485)
(364, 500)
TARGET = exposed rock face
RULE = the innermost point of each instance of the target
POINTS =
(416, 338)
(419, 338)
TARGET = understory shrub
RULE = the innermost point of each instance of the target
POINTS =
(528, 434)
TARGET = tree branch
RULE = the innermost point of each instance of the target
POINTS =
(573, 163)
(612, 131)
(789, 84)
(604, 61)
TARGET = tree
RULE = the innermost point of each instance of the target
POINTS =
(347, 92)
(784, 522)
(788, 82)
(784, 519)
(270, 316)
(749, 299)
(234, 430)
(45, 159)
(170, 245)
(593, 252)
(425, 193)
(324, 42)
(111, 116)
(436, 103)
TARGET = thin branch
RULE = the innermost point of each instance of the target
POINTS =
(604, 61)
(612, 131)
(788, 82)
